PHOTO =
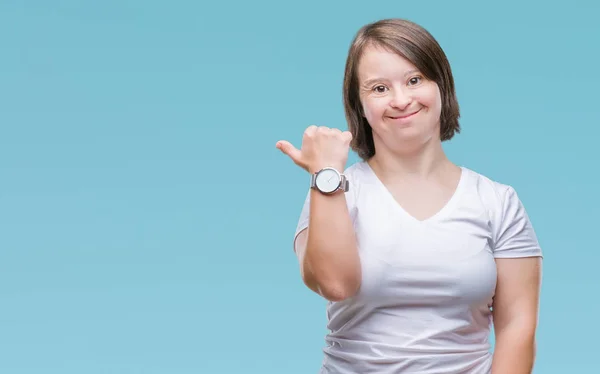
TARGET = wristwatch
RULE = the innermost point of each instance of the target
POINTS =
(328, 181)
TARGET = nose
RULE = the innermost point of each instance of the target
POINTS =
(400, 100)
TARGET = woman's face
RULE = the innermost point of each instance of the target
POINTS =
(401, 105)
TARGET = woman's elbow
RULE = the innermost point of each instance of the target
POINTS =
(338, 291)
(332, 287)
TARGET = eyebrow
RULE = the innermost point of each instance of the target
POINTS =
(369, 82)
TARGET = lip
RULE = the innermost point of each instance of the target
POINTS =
(406, 116)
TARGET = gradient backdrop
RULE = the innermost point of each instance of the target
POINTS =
(146, 218)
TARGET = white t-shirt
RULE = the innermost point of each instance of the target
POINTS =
(427, 286)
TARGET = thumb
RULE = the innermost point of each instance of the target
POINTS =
(288, 149)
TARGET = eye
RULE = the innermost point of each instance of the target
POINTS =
(380, 89)
(415, 80)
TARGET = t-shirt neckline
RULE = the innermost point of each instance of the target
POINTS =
(436, 216)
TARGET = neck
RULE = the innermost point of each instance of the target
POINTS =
(422, 163)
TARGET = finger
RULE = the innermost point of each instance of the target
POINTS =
(347, 136)
(288, 149)
(310, 130)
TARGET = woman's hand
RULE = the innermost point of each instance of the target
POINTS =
(321, 147)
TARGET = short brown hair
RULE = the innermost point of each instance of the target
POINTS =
(418, 46)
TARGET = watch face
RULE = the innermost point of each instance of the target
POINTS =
(328, 180)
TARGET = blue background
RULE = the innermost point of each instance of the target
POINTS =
(146, 217)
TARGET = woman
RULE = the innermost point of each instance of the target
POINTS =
(416, 255)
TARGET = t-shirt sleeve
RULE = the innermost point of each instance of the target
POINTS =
(515, 236)
(305, 212)
(304, 215)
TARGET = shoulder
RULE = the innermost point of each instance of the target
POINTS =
(512, 231)
(357, 175)
(493, 193)
(356, 170)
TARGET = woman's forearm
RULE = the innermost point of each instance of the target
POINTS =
(331, 252)
(514, 351)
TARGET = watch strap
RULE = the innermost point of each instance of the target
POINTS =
(344, 185)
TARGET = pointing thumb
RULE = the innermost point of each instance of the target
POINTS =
(287, 148)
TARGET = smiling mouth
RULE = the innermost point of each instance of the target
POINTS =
(407, 116)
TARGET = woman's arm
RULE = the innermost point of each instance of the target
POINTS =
(515, 314)
(327, 251)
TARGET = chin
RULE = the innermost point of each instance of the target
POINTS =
(411, 133)
(408, 140)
